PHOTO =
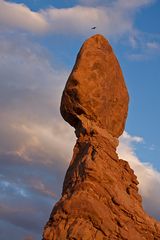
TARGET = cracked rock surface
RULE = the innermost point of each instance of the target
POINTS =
(100, 199)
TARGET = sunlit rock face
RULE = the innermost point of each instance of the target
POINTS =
(95, 90)
(100, 198)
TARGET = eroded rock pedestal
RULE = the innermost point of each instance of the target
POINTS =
(100, 198)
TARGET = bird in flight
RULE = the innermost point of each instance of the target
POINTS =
(93, 28)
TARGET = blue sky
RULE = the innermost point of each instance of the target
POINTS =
(39, 41)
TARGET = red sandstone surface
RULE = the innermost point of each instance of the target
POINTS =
(100, 199)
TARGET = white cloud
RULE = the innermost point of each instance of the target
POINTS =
(129, 138)
(20, 16)
(145, 47)
(148, 177)
(80, 19)
(30, 91)
(33, 142)
(116, 18)
(153, 45)
(137, 56)
(75, 20)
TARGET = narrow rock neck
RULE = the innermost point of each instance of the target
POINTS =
(91, 143)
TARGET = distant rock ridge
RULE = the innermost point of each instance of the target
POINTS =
(100, 199)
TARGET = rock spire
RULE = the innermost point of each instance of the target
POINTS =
(100, 199)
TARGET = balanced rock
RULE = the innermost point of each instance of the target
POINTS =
(100, 199)
(95, 91)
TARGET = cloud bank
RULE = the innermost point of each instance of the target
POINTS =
(148, 177)
(34, 142)
(114, 19)
(20, 16)
(111, 17)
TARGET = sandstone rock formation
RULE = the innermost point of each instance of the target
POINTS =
(100, 198)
